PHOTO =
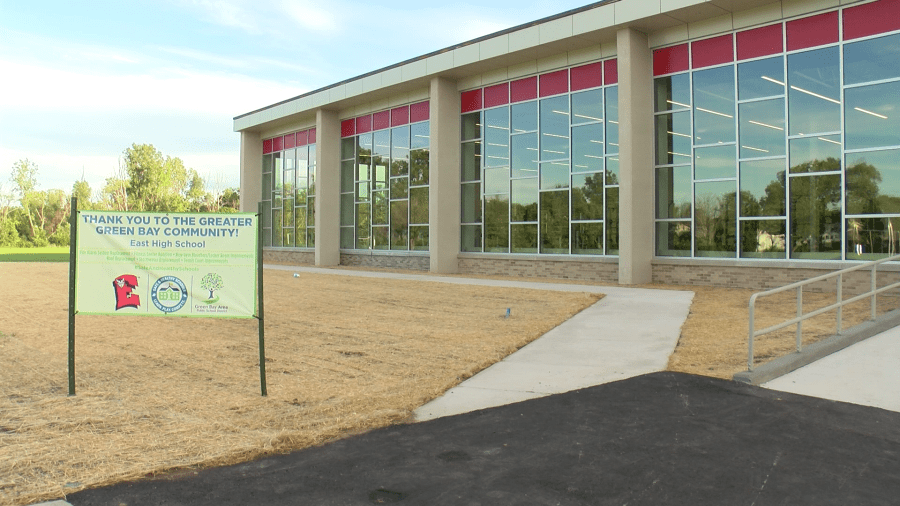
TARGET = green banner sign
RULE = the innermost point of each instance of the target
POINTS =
(166, 264)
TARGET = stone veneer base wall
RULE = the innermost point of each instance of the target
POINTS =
(601, 270)
(289, 257)
(409, 262)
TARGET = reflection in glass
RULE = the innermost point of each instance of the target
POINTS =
(418, 206)
(612, 120)
(673, 238)
(587, 238)
(761, 78)
(470, 238)
(714, 105)
(347, 209)
(399, 188)
(496, 137)
(587, 196)
(347, 167)
(310, 237)
(555, 128)
(362, 192)
(381, 173)
(276, 227)
(362, 226)
(714, 219)
(762, 188)
(816, 217)
(612, 221)
(418, 238)
(496, 223)
(471, 161)
(524, 117)
(399, 151)
(672, 92)
(471, 203)
(762, 128)
(872, 60)
(348, 148)
(815, 154)
(587, 148)
(872, 238)
(267, 186)
(524, 200)
(873, 182)
(496, 181)
(612, 170)
(555, 222)
(399, 224)
(554, 175)
(524, 238)
(871, 117)
(587, 106)
(673, 138)
(714, 162)
(379, 208)
(673, 192)
(814, 91)
(471, 126)
(300, 223)
(524, 155)
(419, 153)
(311, 213)
(762, 239)
(347, 238)
(380, 238)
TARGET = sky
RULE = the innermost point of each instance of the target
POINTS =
(82, 81)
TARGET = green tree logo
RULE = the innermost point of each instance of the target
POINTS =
(212, 282)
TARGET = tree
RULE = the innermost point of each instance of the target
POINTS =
(211, 282)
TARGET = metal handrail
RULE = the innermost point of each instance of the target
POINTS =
(839, 304)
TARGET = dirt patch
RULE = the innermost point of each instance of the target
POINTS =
(344, 355)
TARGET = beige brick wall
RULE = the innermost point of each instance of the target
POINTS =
(289, 257)
(588, 270)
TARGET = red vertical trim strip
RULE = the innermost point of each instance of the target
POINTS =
(399, 116)
(381, 120)
(714, 51)
(471, 100)
(348, 128)
(419, 112)
(812, 31)
(586, 76)
(670, 59)
(312, 135)
(523, 89)
(364, 124)
(496, 95)
(759, 42)
(871, 19)
(554, 83)
(278, 144)
(290, 141)
(611, 72)
(267, 146)
(302, 138)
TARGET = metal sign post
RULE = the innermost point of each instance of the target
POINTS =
(259, 298)
(73, 245)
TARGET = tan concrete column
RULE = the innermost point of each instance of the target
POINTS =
(328, 188)
(636, 184)
(251, 171)
(443, 193)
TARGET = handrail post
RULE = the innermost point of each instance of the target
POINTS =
(874, 284)
(750, 346)
(840, 287)
(799, 314)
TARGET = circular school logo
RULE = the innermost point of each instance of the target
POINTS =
(169, 294)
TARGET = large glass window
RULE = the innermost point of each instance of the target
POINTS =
(288, 197)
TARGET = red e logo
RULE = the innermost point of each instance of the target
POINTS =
(123, 285)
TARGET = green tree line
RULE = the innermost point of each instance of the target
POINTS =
(147, 180)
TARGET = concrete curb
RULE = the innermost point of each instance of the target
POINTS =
(788, 363)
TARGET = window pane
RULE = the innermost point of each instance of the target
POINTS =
(524, 200)
(312, 179)
(554, 175)
(761, 78)
(362, 192)
(524, 155)
(418, 238)
(673, 239)
(762, 128)
(612, 120)
(524, 238)
(555, 128)
(310, 237)
(289, 215)
(587, 196)
(300, 223)
(347, 168)
(873, 182)
(872, 238)
(267, 215)
(715, 162)
(587, 238)
(814, 91)
(714, 105)
(399, 188)
(555, 222)
(380, 166)
(400, 151)
(673, 192)
(673, 138)
(496, 181)
(524, 117)
(496, 223)
(418, 202)
(470, 238)
(471, 203)
(762, 239)
(348, 148)
(362, 226)
(364, 148)
(418, 166)
(714, 219)
(276, 227)
(612, 221)
(815, 154)
(400, 224)
(496, 137)
(380, 237)
(762, 188)
(872, 60)
(347, 209)
(379, 208)
(346, 238)
(872, 118)
(267, 186)
(612, 170)
(816, 217)
(672, 92)
(288, 232)
(587, 106)
(471, 161)
(587, 148)
(267, 164)
(471, 126)
(311, 213)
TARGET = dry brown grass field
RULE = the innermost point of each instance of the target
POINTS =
(344, 355)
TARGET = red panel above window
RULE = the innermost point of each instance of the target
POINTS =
(496, 95)
(312, 136)
(267, 146)
(348, 127)
(302, 138)
(871, 19)
(381, 120)
(419, 112)
(290, 141)
(400, 116)
(587, 76)
(610, 72)
(759, 42)
(364, 124)
(470, 100)
(278, 143)
(812, 31)
(670, 59)
(554, 83)
(523, 89)
(714, 51)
